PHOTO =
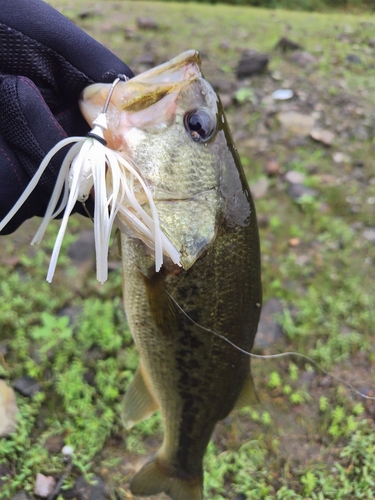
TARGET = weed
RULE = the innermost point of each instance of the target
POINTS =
(308, 438)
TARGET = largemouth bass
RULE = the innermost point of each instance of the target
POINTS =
(169, 123)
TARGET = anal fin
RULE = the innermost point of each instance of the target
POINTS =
(248, 395)
(138, 403)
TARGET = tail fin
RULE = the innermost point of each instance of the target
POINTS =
(155, 477)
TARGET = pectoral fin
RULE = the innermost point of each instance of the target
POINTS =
(138, 403)
(248, 396)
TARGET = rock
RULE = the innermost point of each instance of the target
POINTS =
(272, 168)
(251, 63)
(326, 137)
(282, 94)
(294, 177)
(147, 23)
(23, 495)
(129, 33)
(44, 485)
(263, 220)
(307, 378)
(225, 45)
(27, 386)
(297, 142)
(73, 313)
(341, 158)
(353, 59)
(326, 381)
(269, 330)
(67, 451)
(303, 58)
(296, 191)
(8, 410)
(53, 444)
(87, 14)
(371, 42)
(287, 45)
(5, 473)
(259, 188)
(83, 490)
(359, 164)
(367, 390)
(277, 76)
(83, 249)
(226, 100)
(297, 123)
(240, 496)
(294, 242)
(369, 234)
(145, 59)
(223, 85)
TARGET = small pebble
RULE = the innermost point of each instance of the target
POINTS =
(369, 234)
(260, 188)
(44, 485)
(23, 495)
(240, 496)
(147, 23)
(324, 136)
(294, 177)
(27, 386)
(282, 94)
(296, 191)
(294, 242)
(353, 59)
(8, 410)
(67, 450)
(272, 168)
(269, 329)
(340, 157)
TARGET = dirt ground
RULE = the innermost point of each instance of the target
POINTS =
(309, 162)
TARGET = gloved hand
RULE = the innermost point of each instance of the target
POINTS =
(45, 63)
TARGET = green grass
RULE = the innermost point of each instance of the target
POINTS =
(311, 437)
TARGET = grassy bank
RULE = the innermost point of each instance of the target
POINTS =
(311, 437)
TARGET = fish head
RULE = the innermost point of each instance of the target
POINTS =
(169, 124)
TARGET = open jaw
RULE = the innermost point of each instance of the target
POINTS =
(147, 101)
(126, 94)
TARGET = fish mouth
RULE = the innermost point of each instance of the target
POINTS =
(149, 87)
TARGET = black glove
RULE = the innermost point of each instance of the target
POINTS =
(45, 63)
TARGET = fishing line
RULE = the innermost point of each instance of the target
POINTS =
(272, 356)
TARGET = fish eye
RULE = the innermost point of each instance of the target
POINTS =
(200, 124)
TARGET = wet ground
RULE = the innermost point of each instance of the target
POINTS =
(309, 161)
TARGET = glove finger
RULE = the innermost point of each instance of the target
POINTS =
(28, 130)
(49, 49)
(13, 182)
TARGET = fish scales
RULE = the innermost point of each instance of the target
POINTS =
(204, 204)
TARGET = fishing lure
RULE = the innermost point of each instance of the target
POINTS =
(91, 166)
